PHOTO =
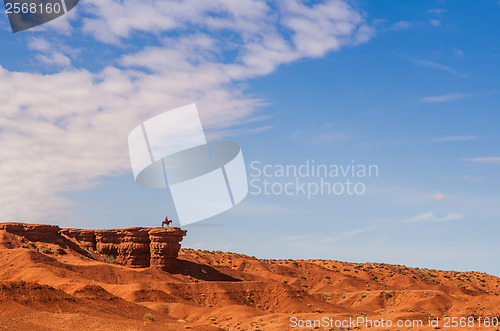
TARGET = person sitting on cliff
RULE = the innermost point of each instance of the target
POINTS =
(166, 221)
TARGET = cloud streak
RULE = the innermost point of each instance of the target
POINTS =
(455, 138)
(485, 159)
(432, 217)
(401, 25)
(352, 233)
(438, 66)
(444, 97)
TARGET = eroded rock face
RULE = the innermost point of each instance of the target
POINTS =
(164, 246)
(33, 232)
(133, 247)
(86, 238)
(130, 247)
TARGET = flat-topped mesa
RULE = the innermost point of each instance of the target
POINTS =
(133, 247)
(136, 247)
(33, 232)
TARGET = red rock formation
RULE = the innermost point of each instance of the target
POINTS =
(33, 232)
(133, 247)
(108, 242)
(129, 246)
(165, 245)
(86, 238)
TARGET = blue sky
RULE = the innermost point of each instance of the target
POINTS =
(410, 87)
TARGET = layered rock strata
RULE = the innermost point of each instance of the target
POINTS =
(136, 247)
(164, 246)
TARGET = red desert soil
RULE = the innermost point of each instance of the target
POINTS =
(48, 284)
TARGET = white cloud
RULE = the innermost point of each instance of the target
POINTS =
(39, 44)
(444, 97)
(458, 52)
(52, 53)
(435, 22)
(64, 131)
(55, 59)
(323, 27)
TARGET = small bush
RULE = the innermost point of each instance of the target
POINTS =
(45, 250)
(109, 259)
(149, 317)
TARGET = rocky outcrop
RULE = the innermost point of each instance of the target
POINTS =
(130, 247)
(136, 247)
(33, 232)
(86, 238)
(165, 245)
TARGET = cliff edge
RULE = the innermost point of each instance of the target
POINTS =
(137, 247)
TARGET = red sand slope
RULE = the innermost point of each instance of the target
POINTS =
(45, 286)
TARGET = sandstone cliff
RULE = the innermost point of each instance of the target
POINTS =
(136, 247)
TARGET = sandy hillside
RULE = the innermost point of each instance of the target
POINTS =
(46, 285)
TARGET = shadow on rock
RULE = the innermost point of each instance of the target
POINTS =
(200, 271)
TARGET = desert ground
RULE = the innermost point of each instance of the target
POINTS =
(51, 285)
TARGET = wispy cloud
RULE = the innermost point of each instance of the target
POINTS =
(352, 233)
(435, 22)
(357, 231)
(402, 25)
(437, 66)
(328, 138)
(454, 138)
(485, 159)
(293, 238)
(474, 179)
(437, 11)
(444, 97)
(432, 217)
(436, 196)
